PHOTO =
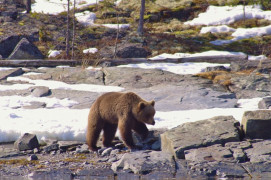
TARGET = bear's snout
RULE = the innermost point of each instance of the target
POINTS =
(152, 122)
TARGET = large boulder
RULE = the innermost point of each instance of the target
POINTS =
(26, 50)
(256, 124)
(27, 142)
(260, 152)
(40, 91)
(145, 162)
(211, 153)
(7, 44)
(170, 91)
(216, 130)
(265, 103)
(251, 85)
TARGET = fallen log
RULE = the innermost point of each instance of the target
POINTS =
(37, 63)
(116, 62)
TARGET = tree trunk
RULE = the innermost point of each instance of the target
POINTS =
(117, 37)
(28, 6)
(73, 29)
(141, 18)
(244, 10)
(68, 32)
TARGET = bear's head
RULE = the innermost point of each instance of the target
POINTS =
(145, 112)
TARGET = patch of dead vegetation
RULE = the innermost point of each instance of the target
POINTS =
(223, 77)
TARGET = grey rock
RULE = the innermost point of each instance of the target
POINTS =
(211, 153)
(216, 130)
(239, 145)
(127, 175)
(229, 170)
(82, 149)
(216, 68)
(36, 150)
(145, 162)
(100, 151)
(64, 145)
(152, 141)
(70, 75)
(216, 170)
(239, 155)
(53, 174)
(47, 142)
(132, 51)
(26, 50)
(9, 152)
(265, 103)
(35, 105)
(250, 85)
(260, 152)
(170, 91)
(137, 77)
(205, 98)
(97, 173)
(113, 159)
(156, 145)
(10, 13)
(32, 157)
(114, 152)
(182, 169)
(256, 124)
(11, 73)
(27, 142)
(244, 65)
(106, 152)
(7, 45)
(259, 170)
(40, 91)
(50, 148)
(238, 150)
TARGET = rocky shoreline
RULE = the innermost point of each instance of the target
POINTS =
(212, 148)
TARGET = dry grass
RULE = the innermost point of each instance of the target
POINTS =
(223, 77)
(218, 77)
(23, 162)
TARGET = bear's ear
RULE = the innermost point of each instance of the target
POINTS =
(141, 105)
(152, 103)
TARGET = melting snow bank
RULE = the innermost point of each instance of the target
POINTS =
(57, 6)
(219, 15)
(70, 124)
(242, 33)
(88, 18)
(226, 15)
(206, 54)
(183, 68)
(58, 85)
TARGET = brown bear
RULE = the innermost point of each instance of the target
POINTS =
(125, 111)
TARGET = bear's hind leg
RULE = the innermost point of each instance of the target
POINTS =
(109, 131)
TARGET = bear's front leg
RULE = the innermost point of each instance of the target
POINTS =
(141, 129)
(125, 128)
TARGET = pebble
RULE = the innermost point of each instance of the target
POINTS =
(32, 157)
(106, 152)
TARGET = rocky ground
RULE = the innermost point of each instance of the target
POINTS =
(213, 148)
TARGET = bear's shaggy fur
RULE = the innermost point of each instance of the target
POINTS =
(125, 111)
